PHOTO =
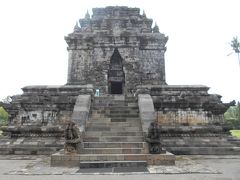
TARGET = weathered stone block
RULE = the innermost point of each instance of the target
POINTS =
(146, 111)
(81, 111)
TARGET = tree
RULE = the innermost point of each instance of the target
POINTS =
(235, 44)
(3, 116)
(232, 116)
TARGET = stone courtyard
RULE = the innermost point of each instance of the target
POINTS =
(187, 167)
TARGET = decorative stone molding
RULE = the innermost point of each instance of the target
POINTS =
(33, 131)
(142, 90)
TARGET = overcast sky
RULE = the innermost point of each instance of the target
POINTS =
(33, 50)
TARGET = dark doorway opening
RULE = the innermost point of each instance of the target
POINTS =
(116, 76)
(116, 87)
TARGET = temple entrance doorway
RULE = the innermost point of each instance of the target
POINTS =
(116, 76)
(116, 88)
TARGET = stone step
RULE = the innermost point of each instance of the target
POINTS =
(114, 119)
(112, 151)
(113, 139)
(115, 98)
(114, 144)
(234, 140)
(115, 104)
(119, 115)
(109, 120)
(204, 150)
(196, 141)
(237, 143)
(123, 119)
(106, 133)
(70, 160)
(110, 164)
(199, 144)
(112, 157)
(191, 139)
(107, 99)
(113, 129)
(113, 124)
(114, 108)
(119, 111)
(111, 101)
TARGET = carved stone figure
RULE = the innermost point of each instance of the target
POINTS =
(153, 131)
(153, 139)
(72, 138)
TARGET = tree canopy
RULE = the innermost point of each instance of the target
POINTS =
(3, 116)
(232, 116)
(235, 44)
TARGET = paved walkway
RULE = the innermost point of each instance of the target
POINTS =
(187, 167)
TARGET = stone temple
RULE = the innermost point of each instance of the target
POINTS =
(115, 90)
(116, 50)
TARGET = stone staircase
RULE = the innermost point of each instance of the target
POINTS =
(113, 135)
(113, 138)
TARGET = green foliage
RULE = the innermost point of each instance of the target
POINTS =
(232, 116)
(235, 44)
(235, 133)
(3, 116)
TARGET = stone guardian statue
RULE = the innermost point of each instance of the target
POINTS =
(72, 138)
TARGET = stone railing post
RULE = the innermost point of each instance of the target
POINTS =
(147, 112)
(81, 111)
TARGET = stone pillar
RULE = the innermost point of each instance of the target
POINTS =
(81, 111)
(147, 113)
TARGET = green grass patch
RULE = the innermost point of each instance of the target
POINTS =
(235, 133)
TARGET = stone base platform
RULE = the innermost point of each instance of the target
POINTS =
(211, 144)
(30, 145)
(111, 160)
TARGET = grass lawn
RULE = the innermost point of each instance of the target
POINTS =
(235, 133)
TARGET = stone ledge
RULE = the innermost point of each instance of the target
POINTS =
(201, 129)
(70, 160)
(108, 164)
(178, 150)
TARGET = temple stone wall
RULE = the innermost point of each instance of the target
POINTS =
(45, 105)
(139, 66)
(188, 118)
(186, 105)
(93, 43)
(41, 117)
